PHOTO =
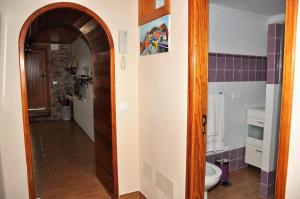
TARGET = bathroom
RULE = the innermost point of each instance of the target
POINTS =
(244, 75)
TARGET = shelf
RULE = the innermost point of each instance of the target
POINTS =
(83, 78)
(71, 70)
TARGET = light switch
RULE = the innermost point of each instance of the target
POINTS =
(55, 82)
(123, 107)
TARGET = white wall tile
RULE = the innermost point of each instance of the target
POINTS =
(235, 112)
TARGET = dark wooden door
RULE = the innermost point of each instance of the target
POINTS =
(106, 159)
(37, 80)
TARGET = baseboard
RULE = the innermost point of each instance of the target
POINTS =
(133, 195)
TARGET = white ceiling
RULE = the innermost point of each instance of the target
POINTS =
(262, 7)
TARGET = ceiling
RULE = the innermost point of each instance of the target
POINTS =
(56, 26)
(262, 7)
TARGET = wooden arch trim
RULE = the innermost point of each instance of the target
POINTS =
(109, 60)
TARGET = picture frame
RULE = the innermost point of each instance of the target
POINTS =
(154, 36)
(150, 10)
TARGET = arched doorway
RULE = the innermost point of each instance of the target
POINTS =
(99, 38)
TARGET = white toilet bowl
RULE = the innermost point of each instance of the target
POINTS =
(212, 176)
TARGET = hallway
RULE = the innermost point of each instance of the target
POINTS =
(63, 162)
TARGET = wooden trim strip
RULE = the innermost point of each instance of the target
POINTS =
(137, 195)
(23, 82)
(287, 97)
(197, 98)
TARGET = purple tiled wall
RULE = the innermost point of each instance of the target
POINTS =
(267, 184)
(234, 68)
(275, 33)
(236, 158)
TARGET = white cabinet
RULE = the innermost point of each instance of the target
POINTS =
(254, 142)
(253, 152)
(256, 116)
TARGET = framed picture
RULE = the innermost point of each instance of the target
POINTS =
(150, 10)
(154, 36)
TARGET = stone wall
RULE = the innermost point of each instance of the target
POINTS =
(57, 61)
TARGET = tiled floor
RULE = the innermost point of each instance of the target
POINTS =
(63, 161)
(245, 185)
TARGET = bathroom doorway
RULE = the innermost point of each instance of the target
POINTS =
(203, 68)
(244, 92)
(50, 29)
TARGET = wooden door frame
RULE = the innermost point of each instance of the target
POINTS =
(22, 69)
(197, 97)
(286, 97)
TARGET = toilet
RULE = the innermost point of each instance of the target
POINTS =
(212, 176)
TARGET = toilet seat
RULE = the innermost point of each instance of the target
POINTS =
(212, 176)
(212, 171)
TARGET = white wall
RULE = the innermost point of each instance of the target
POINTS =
(293, 175)
(83, 111)
(237, 32)
(2, 193)
(118, 15)
(163, 109)
(277, 19)
(238, 97)
(1, 172)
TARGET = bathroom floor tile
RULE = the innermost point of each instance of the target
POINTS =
(244, 184)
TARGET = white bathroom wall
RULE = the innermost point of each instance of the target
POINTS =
(238, 97)
(83, 112)
(237, 32)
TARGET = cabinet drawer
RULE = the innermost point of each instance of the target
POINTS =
(253, 155)
(256, 121)
(254, 142)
